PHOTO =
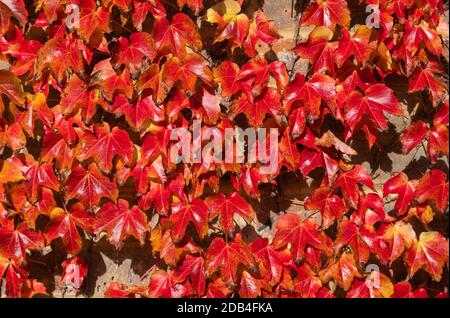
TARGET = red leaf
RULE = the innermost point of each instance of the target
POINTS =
(231, 24)
(429, 252)
(226, 207)
(291, 229)
(318, 50)
(92, 18)
(174, 36)
(438, 142)
(226, 74)
(89, 186)
(432, 186)
(272, 261)
(249, 287)
(376, 100)
(361, 239)
(226, 257)
(422, 33)
(428, 79)
(400, 236)
(119, 222)
(404, 189)
(330, 205)
(343, 271)
(413, 135)
(15, 242)
(103, 145)
(327, 13)
(319, 87)
(162, 285)
(404, 290)
(348, 182)
(192, 267)
(357, 45)
(64, 225)
(375, 285)
(14, 8)
(255, 111)
(133, 51)
(184, 212)
(10, 85)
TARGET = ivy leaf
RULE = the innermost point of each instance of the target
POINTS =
(370, 106)
(413, 135)
(226, 74)
(10, 85)
(418, 131)
(15, 242)
(162, 285)
(37, 176)
(272, 261)
(192, 267)
(342, 271)
(64, 225)
(432, 186)
(255, 111)
(255, 74)
(429, 252)
(375, 285)
(327, 13)
(319, 87)
(141, 115)
(231, 24)
(427, 78)
(157, 196)
(186, 70)
(110, 82)
(13, 8)
(226, 207)
(291, 229)
(176, 35)
(404, 290)
(318, 50)
(249, 286)
(441, 117)
(400, 185)
(89, 186)
(348, 183)
(24, 51)
(92, 18)
(14, 277)
(330, 205)
(77, 96)
(357, 45)
(61, 55)
(10, 172)
(131, 52)
(437, 142)
(55, 148)
(226, 257)
(416, 34)
(195, 211)
(119, 221)
(360, 238)
(400, 236)
(105, 144)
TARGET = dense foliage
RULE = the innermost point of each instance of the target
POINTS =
(91, 91)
